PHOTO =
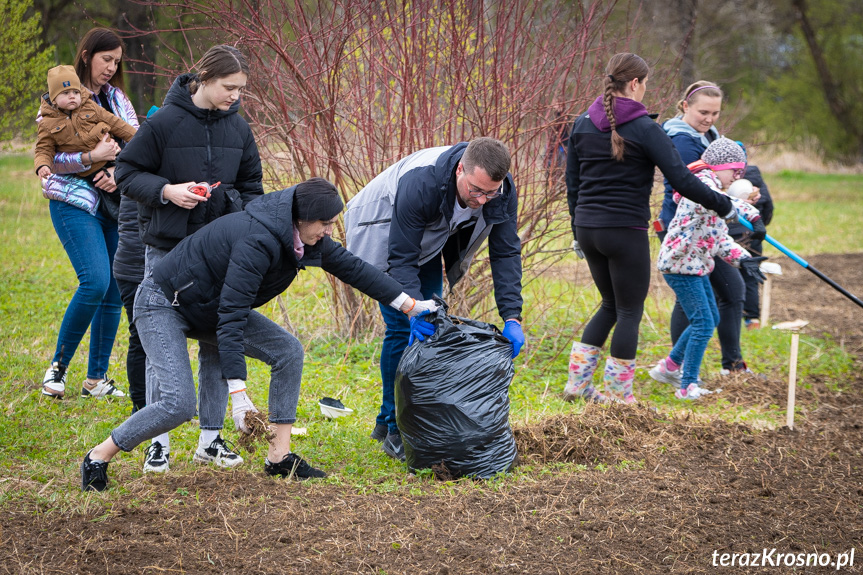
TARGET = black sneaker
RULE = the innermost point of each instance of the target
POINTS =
(94, 474)
(293, 466)
(393, 446)
(379, 433)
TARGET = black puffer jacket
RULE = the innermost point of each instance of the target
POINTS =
(129, 258)
(184, 143)
(244, 260)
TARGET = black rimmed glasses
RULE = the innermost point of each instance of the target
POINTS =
(476, 192)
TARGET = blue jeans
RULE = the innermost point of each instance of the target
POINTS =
(90, 243)
(696, 297)
(729, 290)
(396, 340)
(163, 331)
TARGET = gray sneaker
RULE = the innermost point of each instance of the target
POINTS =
(393, 446)
(379, 433)
(661, 373)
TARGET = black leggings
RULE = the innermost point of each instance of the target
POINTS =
(619, 261)
(136, 357)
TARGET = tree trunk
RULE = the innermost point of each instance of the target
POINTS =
(686, 12)
(832, 90)
(134, 18)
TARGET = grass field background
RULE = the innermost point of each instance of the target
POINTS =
(42, 441)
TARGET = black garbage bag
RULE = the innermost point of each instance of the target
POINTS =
(452, 399)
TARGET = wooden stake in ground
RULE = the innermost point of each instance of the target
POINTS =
(794, 327)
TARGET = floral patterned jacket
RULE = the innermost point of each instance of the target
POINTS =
(63, 185)
(696, 235)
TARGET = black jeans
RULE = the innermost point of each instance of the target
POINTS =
(619, 261)
(752, 304)
(136, 359)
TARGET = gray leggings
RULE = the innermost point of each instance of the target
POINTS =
(163, 332)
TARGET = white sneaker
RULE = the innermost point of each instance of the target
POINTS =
(101, 389)
(691, 392)
(156, 458)
(218, 453)
(661, 373)
(54, 382)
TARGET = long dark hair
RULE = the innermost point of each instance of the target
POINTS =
(94, 41)
(218, 62)
(621, 70)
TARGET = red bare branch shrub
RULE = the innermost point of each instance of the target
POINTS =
(342, 89)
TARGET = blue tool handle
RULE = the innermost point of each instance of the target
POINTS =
(745, 223)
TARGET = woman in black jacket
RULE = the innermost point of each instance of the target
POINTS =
(209, 285)
(196, 136)
(613, 151)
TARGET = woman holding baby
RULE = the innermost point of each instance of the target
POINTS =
(85, 228)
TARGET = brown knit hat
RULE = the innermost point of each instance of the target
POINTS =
(60, 79)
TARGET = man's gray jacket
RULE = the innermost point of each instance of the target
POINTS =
(401, 220)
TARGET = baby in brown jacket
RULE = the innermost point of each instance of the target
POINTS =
(73, 122)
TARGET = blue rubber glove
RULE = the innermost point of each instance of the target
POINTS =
(512, 332)
(420, 328)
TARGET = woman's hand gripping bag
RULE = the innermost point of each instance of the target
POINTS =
(452, 398)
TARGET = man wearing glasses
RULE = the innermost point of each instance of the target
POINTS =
(428, 213)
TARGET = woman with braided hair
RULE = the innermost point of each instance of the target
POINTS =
(613, 151)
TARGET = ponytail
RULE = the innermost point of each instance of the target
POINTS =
(621, 69)
(618, 144)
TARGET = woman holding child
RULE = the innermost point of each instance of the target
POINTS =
(692, 131)
(88, 233)
(696, 239)
(613, 150)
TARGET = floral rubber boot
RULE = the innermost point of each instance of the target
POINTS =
(583, 361)
(618, 377)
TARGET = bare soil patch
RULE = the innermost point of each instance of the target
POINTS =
(656, 493)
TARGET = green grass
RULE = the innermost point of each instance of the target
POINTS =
(816, 213)
(43, 441)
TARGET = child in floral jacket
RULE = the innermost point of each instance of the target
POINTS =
(695, 236)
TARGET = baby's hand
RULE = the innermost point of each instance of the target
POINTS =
(43, 172)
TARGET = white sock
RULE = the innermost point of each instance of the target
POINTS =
(164, 440)
(207, 437)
